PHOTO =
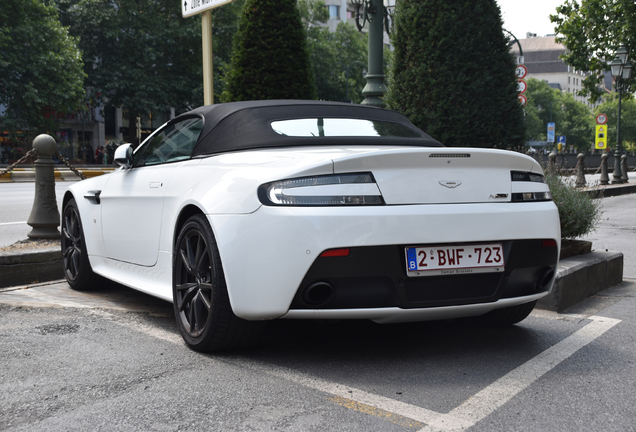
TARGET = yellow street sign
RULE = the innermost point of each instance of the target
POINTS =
(600, 142)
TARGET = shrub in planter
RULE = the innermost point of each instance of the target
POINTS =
(579, 213)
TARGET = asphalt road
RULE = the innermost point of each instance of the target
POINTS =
(617, 230)
(114, 361)
(16, 202)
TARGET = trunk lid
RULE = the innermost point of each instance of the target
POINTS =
(438, 175)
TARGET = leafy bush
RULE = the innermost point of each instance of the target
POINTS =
(578, 211)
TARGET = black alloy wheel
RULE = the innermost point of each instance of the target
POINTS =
(194, 283)
(77, 268)
(201, 302)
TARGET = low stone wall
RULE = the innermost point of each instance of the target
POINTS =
(582, 276)
(33, 266)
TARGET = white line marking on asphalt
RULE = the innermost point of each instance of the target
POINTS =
(473, 410)
(13, 223)
(52, 299)
(505, 388)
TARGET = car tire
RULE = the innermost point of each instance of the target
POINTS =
(77, 268)
(201, 302)
(507, 316)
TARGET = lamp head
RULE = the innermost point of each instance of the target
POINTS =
(627, 70)
(622, 54)
(616, 66)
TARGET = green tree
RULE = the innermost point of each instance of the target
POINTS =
(452, 73)
(628, 119)
(270, 59)
(592, 31)
(572, 118)
(40, 67)
(138, 54)
(337, 58)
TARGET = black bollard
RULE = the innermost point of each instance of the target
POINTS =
(604, 175)
(45, 217)
(624, 169)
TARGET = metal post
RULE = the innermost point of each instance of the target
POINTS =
(206, 39)
(580, 171)
(45, 217)
(604, 176)
(375, 88)
(617, 156)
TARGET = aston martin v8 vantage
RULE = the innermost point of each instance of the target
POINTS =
(244, 212)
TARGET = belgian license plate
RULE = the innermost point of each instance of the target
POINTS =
(454, 260)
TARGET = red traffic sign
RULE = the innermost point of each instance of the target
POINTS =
(522, 100)
(522, 86)
(521, 71)
(601, 119)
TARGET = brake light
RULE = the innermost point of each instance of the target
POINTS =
(335, 253)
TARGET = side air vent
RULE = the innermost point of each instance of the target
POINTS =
(449, 155)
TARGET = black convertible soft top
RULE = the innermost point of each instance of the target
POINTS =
(247, 125)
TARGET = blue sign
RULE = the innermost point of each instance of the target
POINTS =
(551, 127)
(561, 139)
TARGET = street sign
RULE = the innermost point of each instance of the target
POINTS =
(601, 119)
(551, 127)
(520, 60)
(561, 139)
(521, 72)
(522, 100)
(600, 141)
(522, 86)
(193, 7)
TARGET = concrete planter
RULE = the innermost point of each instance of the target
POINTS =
(26, 267)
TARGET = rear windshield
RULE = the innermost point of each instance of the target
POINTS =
(342, 127)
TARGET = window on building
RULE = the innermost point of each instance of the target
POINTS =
(334, 11)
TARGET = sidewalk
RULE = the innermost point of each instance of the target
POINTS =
(593, 182)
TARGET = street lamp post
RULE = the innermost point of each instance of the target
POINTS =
(377, 15)
(621, 71)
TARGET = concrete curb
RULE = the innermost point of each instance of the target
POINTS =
(610, 191)
(582, 276)
(32, 266)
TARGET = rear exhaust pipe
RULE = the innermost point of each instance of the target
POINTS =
(543, 281)
(318, 293)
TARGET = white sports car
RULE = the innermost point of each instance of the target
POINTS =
(251, 211)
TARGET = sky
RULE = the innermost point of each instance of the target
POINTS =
(522, 16)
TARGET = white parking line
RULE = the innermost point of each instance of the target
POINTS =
(51, 299)
(505, 388)
(473, 410)
(13, 223)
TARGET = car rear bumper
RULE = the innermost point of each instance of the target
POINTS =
(397, 315)
(267, 255)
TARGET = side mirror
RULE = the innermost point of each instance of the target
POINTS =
(123, 156)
